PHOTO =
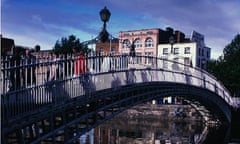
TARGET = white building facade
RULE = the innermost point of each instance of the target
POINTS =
(193, 53)
(203, 52)
(182, 52)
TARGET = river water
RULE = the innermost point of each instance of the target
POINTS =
(156, 126)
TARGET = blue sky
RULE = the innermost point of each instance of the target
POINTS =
(43, 22)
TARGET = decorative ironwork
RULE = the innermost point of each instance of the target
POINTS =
(105, 16)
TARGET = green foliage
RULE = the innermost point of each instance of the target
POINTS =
(227, 67)
(66, 45)
(231, 51)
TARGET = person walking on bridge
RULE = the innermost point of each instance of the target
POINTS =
(132, 53)
(29, 75)
(15, 72)
(80, 63)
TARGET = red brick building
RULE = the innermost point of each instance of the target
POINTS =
(111, 46)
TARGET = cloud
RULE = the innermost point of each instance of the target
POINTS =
(40, 24)
(31, 42)
(37, 18)
(217, 20)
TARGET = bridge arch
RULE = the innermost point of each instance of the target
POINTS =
(107, 103)
(106, 92)
(188, 86)
(134, 94)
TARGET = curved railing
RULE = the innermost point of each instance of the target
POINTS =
(57, 81)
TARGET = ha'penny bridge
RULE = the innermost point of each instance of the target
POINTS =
(59, 106)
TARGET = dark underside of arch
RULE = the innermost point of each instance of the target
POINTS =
(78, 115)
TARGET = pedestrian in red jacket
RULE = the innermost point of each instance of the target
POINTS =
(80, 66)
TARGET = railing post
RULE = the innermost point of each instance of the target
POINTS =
(3, 71)
(99, 62)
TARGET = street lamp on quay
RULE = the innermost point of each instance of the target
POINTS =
(171, 41)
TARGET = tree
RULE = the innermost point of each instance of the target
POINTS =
(227, 67)
(66, 44)
(37, 48)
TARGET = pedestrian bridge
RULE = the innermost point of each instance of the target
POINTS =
(63, 107)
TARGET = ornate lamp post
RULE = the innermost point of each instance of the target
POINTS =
(105, 16)
(171, 41)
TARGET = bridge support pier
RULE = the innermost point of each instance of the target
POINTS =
(235, 125)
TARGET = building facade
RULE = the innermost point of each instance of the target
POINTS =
(145, 41)
(109, 47)
(182, 52)
(155, 42)
(203, 53)
(191, 51)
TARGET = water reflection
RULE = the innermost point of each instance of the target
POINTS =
(87, 138)
(145, 129)
(121, 130)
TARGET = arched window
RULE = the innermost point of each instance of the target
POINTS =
(137, 43)
(149, 42)
(126, 43)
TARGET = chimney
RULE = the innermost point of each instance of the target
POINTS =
(179, 36)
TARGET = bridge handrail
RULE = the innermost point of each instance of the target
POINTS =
(6, 68)
(96, 65)
(194, 68)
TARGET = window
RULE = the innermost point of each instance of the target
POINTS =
(149, 58)
(149, 42)
(187, 50)
(137, 43)
(175, 64)
(101, 51)
(138, 59)
(148, 53)
(165, 64)
(165, 51)
(126, 43)
(113, 50)
(176, 51)
(187, 63)
(138, 54)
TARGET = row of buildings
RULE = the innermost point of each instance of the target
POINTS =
(168, 44)
(155, 42)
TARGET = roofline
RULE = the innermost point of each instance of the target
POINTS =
(140, 30)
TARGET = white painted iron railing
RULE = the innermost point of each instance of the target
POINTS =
(29, 86)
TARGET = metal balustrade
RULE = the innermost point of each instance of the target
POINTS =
(26, 88)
